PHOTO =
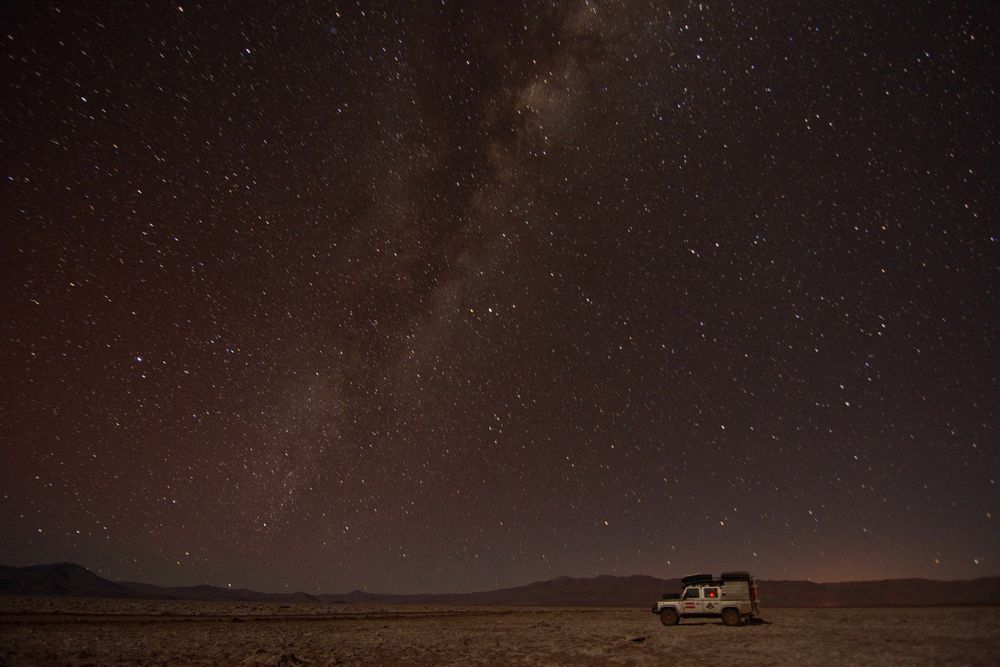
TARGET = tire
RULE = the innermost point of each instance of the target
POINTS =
(669, 617)
(731, 616)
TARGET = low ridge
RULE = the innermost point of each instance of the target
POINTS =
(68, 579)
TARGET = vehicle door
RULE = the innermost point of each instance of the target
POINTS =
(710, 599)
(692, 603)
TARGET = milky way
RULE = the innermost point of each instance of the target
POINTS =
(453, 296)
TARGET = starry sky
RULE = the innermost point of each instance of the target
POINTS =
(444, 296)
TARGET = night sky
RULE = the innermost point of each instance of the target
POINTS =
(443, 296)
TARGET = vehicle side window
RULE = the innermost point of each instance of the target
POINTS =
(712, 593)
(692, 593)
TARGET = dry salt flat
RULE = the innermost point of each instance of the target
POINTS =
(49, 631)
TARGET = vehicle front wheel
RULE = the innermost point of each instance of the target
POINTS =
(669, 617)
(730, 616)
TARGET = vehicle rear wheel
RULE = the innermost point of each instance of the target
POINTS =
(730, 616)
(669, 617)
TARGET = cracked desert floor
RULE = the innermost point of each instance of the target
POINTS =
(65, 631)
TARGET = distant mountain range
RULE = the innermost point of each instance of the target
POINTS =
(67, 579)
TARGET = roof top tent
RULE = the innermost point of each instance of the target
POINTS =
(704, 578)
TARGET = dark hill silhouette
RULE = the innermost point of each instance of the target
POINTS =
(887, 592)
(642, 591)
(206, 592)
(604, 590)
(59, 579)
(66, 579)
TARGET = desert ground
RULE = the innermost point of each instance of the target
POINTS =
(76, 631)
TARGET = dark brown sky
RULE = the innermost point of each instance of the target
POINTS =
(447, 297)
